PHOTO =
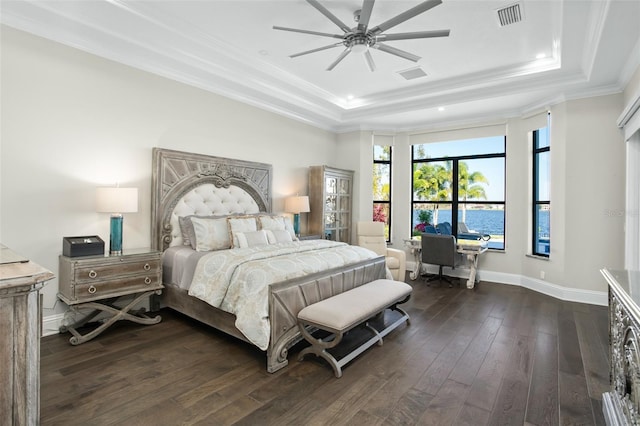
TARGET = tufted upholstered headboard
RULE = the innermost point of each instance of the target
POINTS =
(185, 183)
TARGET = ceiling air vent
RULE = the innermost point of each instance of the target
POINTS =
(412, 73)
(510, 14)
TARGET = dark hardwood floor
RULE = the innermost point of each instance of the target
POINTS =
(495, 355)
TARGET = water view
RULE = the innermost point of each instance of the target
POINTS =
(487, 221)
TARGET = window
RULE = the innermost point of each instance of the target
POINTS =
(382, 186)
(541, 235)
(463, 176)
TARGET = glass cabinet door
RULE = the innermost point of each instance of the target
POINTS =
(330, 192)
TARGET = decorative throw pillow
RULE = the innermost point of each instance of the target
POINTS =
(278, 236)
(210, 234)
(240, 224)
(251, 239)
(186, 228)
(271, 222)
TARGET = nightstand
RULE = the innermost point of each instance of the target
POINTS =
(96, 282)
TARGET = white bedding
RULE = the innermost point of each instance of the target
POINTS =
(237, 280)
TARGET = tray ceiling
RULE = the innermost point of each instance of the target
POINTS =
(484, 70)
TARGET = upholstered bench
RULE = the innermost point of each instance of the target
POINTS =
(340, 313)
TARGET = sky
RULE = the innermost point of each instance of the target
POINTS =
(491, 168)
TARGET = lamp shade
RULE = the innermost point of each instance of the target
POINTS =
(297, 204)
(116, 200)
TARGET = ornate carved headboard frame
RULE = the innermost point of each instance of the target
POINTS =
(175, 173)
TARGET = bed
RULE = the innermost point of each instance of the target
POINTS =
(188, 185)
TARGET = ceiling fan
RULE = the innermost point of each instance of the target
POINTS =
(362, 38)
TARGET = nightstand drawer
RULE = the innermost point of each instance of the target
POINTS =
(92, 273)
(95, 278)
(116, 287)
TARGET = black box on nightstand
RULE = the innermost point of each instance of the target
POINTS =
(82, 246)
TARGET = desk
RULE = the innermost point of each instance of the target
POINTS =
(415, 247)
(471, 250)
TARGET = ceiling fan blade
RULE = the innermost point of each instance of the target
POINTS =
(365, 14)
(306, 52)
(329, 15)
(404, 16)
(417, 34)
(397, 52)
(369, 60)
(340, 58)
(295, 30)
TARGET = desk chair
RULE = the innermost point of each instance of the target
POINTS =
(371, 235)
(440, 250)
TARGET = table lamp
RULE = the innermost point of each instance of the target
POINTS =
(296, 205)
(116, 201)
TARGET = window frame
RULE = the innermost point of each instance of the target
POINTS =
(388, 162)
(536, 202)
(455, 202)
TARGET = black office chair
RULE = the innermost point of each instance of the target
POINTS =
(440, 250)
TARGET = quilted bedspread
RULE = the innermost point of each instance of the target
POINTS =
(237, 280)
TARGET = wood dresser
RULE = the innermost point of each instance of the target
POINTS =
(96, 282)
(20, 327)
(621, 405)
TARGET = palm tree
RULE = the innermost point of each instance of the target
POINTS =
(470, 186)
(432, 182)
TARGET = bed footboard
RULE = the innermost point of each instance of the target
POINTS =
(286, 299)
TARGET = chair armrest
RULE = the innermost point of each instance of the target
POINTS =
(401, 255)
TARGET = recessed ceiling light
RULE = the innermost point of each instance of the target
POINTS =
(541, 56)
(350, 97)
(440, 109)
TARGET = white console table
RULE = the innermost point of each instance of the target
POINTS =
(621, 405)
(471, 250)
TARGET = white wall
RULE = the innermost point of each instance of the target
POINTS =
(72, 121)
(588, 169)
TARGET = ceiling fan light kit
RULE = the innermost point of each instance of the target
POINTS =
(361, 39)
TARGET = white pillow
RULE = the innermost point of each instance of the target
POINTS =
(251, 239)
(278, 236)
(271, 222)
(288, 225)
(210, 234)
(240, 224)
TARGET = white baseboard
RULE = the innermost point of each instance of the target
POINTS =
(545, 287)
(51, 324)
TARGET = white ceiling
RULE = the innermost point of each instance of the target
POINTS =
(481, 71)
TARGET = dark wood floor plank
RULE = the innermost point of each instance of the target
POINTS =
(472, 416)
(409, 408)
(469, 357)
(570, 358)
(441, 368)
(594, 355)
(446, 405)
(511, 403)
(575, 404)
(467, 367)
(542, 403)
(486, 386)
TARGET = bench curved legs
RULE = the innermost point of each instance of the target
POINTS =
(319, 348)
